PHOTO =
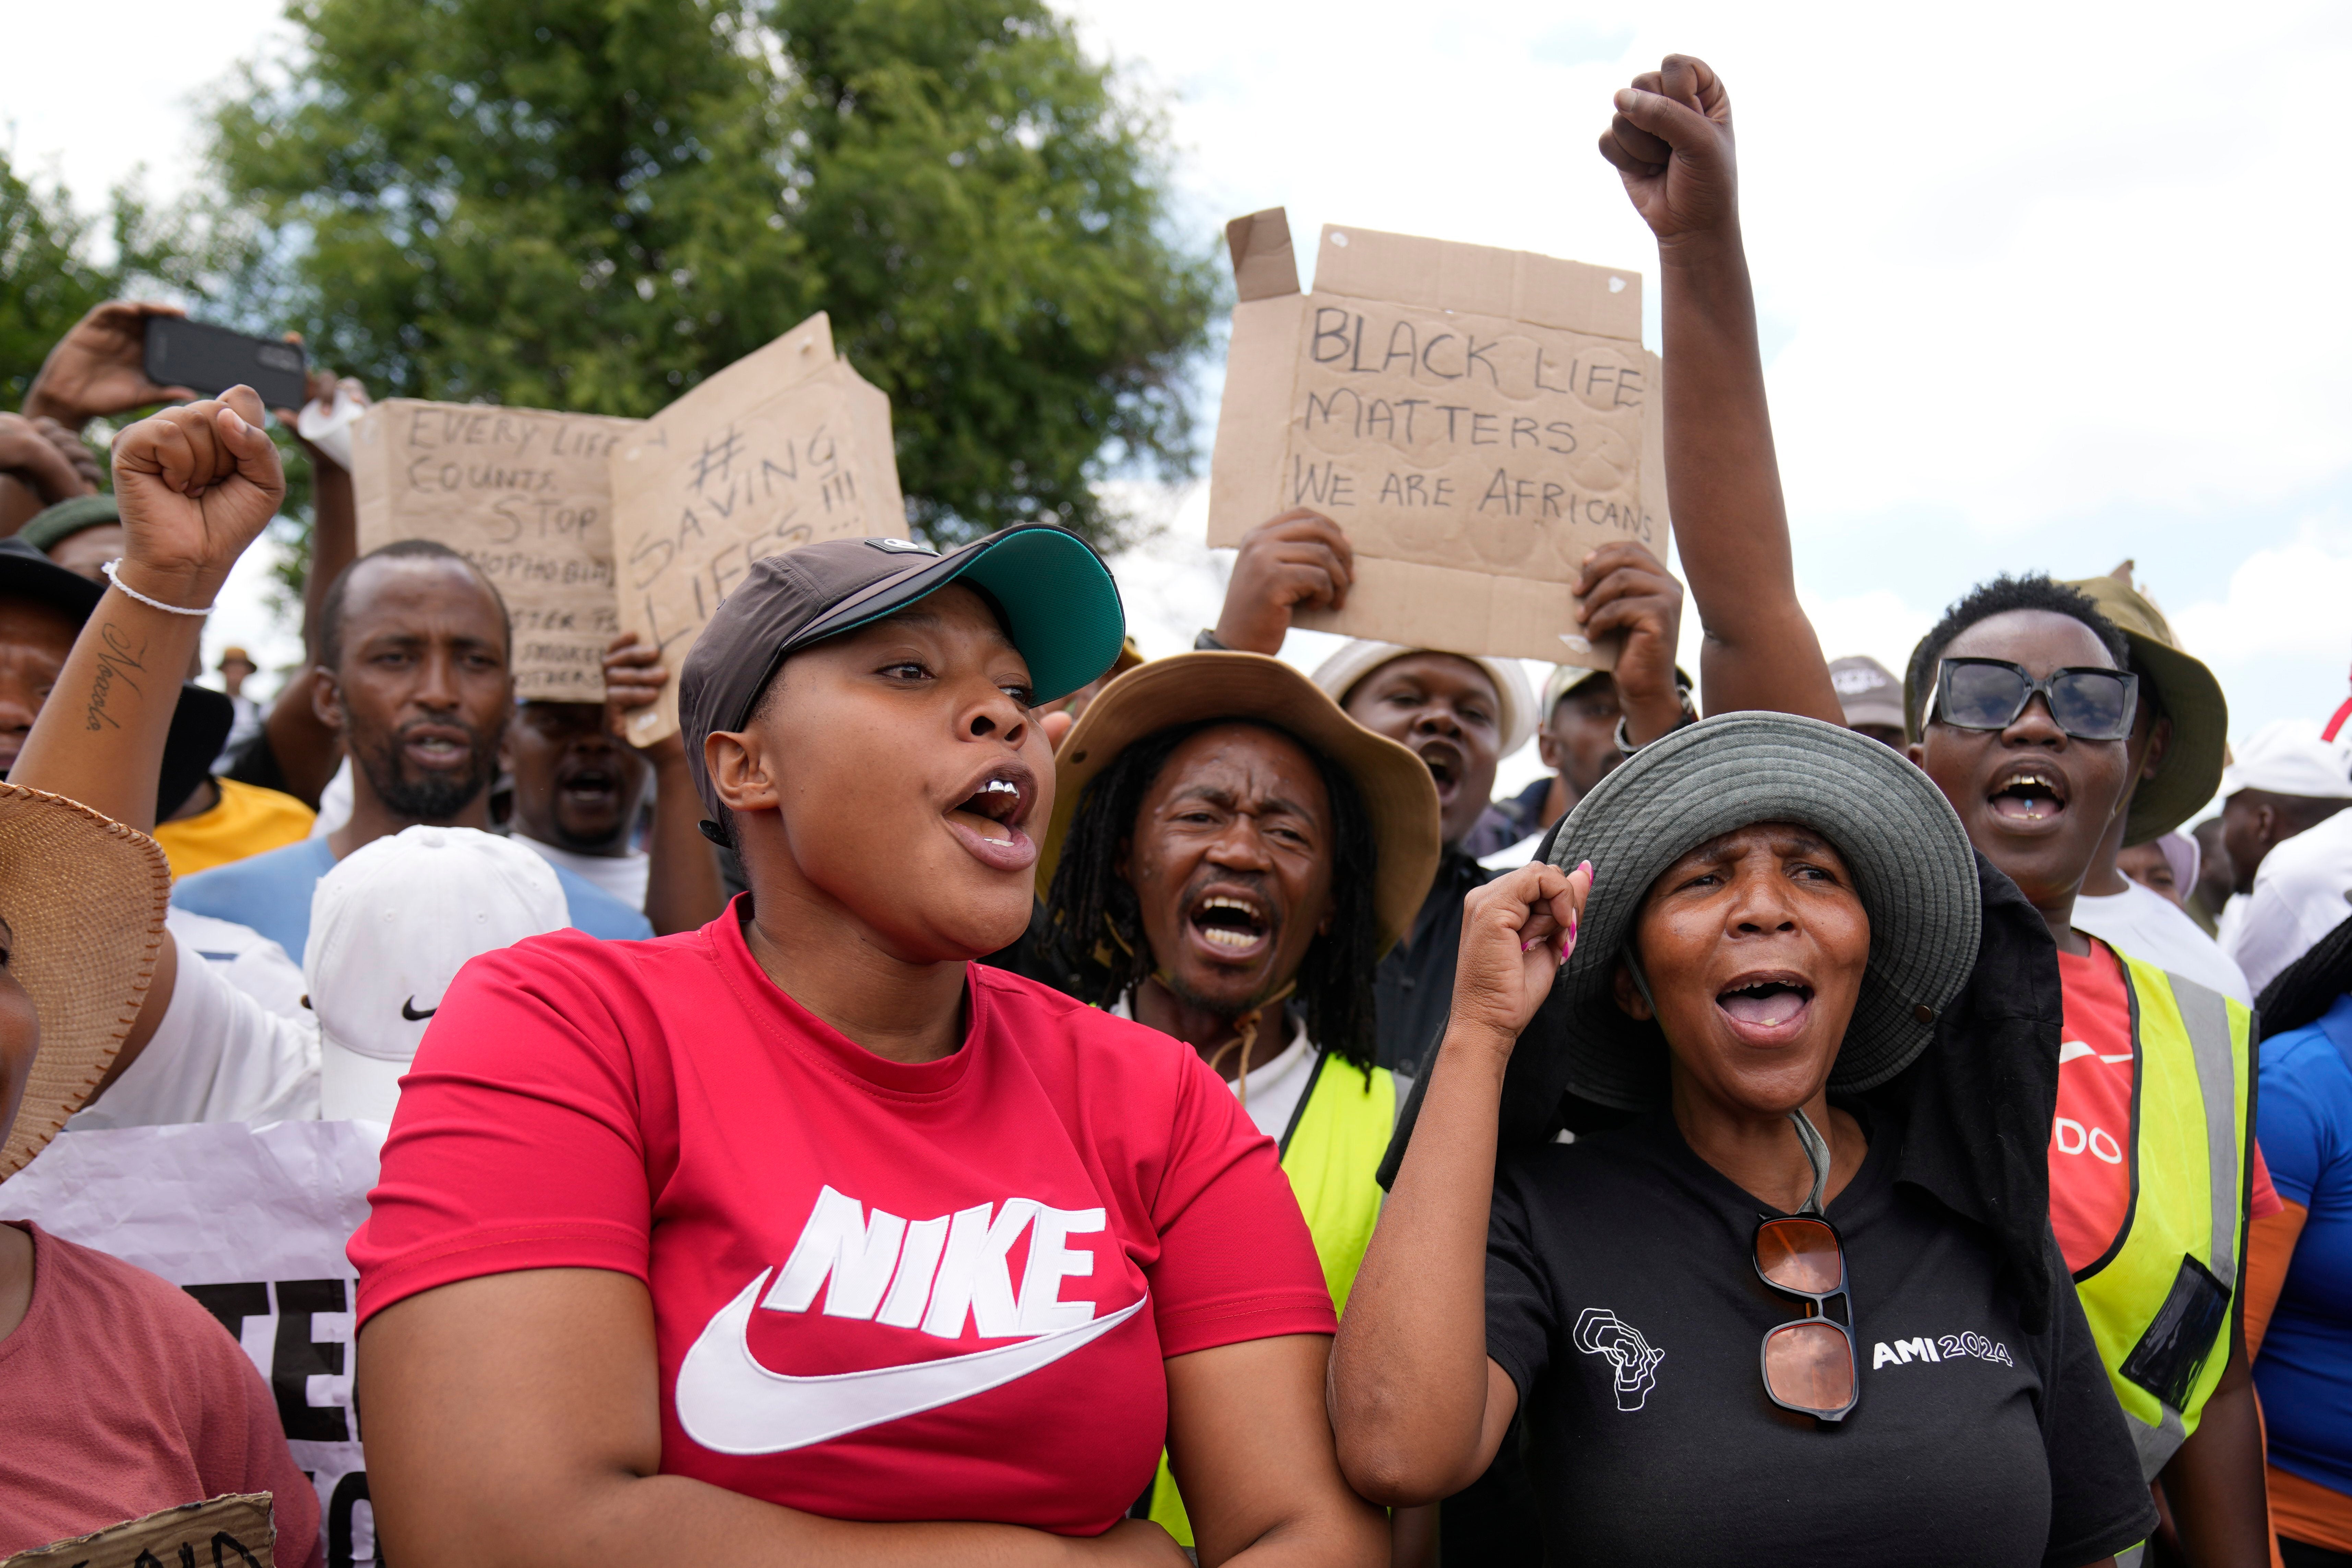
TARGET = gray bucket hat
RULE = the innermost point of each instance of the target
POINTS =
(1901, 840)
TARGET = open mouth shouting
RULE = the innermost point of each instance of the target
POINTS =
(1231, 925)
(990, 819)
(2027, 794)
(1766, 1007)
(590, 786)
(1446, 764)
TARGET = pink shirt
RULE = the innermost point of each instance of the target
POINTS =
(122, 1396)
(880, 1291)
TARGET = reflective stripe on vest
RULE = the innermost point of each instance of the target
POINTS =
(2159, 1301)
(1336, 1139)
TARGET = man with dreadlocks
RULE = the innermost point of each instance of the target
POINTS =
(1229, 857)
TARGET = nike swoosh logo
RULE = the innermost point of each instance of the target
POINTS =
(729, 1404)
(408, 1011)
(2075, 1050)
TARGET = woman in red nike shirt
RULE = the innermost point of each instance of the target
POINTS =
(801, 1237)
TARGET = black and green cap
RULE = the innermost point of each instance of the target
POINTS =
(1059, 603)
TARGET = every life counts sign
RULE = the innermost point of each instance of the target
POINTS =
(1477, 420)
(524, 494)
(251, 1222)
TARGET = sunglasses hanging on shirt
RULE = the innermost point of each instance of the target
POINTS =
(2086, 701)
(1809, 1365)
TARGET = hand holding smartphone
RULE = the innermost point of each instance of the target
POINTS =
(181, 353)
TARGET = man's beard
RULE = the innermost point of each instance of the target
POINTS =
(434, 796)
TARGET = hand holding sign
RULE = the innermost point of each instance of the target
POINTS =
(1299, 560)
(1477, 422)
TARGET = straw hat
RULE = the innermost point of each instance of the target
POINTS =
(1899, 836)
(85, 896)
(1194, 688)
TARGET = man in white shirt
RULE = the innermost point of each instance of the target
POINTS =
(2281, 786)
(2303, 891)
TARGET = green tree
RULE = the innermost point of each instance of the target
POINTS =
(594, 203)
(47, 276)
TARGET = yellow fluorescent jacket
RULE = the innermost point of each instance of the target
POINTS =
(1330, 1151)
(2159, 1301)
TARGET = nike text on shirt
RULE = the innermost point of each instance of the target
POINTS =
(956, 1264)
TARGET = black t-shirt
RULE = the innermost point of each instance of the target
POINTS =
(1622, 1300)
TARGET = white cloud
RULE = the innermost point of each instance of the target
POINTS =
(2292, 599)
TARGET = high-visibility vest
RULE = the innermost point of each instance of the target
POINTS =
(1330, 1152)
(2159, 1301)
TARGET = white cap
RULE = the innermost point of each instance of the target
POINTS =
(2302, 891)
(2286, 756)
(1339, 674)
(390, 927)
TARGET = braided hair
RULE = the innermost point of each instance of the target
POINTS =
(1095, 924)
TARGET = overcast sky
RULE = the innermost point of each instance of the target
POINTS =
(2043, 286)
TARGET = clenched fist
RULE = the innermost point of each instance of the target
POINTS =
(197, 485)
(1671, 142)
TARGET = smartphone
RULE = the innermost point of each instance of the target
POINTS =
(181, 353)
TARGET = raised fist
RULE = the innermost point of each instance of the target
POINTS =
(1671, 141)
(197, 485)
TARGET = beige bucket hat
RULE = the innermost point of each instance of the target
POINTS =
(85, 896)
(1195, 688)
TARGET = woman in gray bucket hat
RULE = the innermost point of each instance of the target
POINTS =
(1797, 1303)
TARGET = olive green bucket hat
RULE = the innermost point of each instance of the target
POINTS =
(2191, 769)
(1898, 836)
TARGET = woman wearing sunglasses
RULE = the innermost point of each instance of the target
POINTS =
(2029, 718)
(1800, 1305)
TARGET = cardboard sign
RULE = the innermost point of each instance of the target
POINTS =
(235, 1529)
(1477, 420)
(783, 447)
(252, 1222)
(525, 494)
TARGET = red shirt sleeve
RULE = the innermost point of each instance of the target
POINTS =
(2265, 1199)
(1235, 1260)
(245, 1451)
(517, 1143)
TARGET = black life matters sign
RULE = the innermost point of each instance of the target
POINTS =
(235, 1529)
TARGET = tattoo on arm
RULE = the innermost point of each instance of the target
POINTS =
(115, 656)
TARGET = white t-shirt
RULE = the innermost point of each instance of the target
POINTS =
(1274, 1087)
(2150, 927)
(2303, 890)
(623, 876)
(247, 959)
(219, 1056)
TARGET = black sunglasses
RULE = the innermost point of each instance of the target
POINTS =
(2086, 701)
(1809, 1365)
